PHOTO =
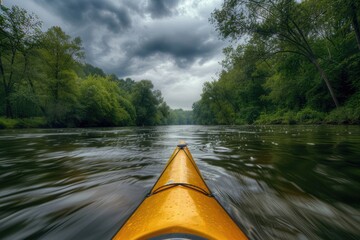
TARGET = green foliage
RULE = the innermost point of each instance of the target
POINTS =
(102, 104)
(59, 56)
(283, 116)
(308, 115)
(278, 117)
(163, 114)
(7, 123)
(24, 102)
(343, 115)
(181, 117)
(125, 103)
(37, 122)
(145, 102)
(202, 113)
(127, 84)
(45, 83)
(297, 61)
(19, 35)
(348, 114)
(89, 69)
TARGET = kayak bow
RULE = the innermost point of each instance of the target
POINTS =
(181, 206)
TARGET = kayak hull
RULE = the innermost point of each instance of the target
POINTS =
(180, 203)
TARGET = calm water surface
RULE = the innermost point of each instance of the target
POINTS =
(277, 182)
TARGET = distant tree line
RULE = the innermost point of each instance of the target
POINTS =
(181, 117)
(290, 62)
(45, 82)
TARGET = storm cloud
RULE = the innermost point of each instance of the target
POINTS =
(185, 44)
(161, 8)
(84, 12)
(170, 43)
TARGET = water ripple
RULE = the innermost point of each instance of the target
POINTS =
(277, 182)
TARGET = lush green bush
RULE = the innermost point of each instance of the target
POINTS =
(100, 103)
(308, 115)
(279, 117)
(7, 123)
(348, 114)
(36, 122)
(344, 115)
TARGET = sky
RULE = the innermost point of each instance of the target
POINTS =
(170, 42)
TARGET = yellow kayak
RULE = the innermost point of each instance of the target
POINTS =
(180, 206)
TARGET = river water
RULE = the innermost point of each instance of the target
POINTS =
(277, 182)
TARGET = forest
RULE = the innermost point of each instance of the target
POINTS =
(288, 62)
(46, 83)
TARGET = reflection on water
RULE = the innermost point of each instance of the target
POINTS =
(278, 182)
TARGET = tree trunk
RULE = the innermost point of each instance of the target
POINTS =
(31, 84)
(304, 47)
(34, 92)
(325, 78)
(8, 87)
(355, 23)
(8, 109)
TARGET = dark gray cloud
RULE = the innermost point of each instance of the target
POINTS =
(169, 42)
(80, 12)
(184, 48)
(162, 8)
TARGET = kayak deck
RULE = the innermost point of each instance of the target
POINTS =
(180, 204)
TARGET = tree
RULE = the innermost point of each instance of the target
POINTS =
(284, 26)
(236, 97)
(202, 113)
(145, 102)
(102, 103)
(19, 34)
(347, 11)
(89, 69)
(181, 117)
(127, 84)
(60, 55)
(163, 114)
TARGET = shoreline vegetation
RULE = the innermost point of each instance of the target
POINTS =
(341, 116)
(46, 83)
(299, 64)
(289, 62)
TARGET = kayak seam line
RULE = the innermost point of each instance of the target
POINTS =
(167, 165)
(145, 197)
(197, 170)
(193, 163)
(191, 186)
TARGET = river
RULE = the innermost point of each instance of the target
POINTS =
(277, 182)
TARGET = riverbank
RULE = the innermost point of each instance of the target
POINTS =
(342, 115)
(36, 122)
